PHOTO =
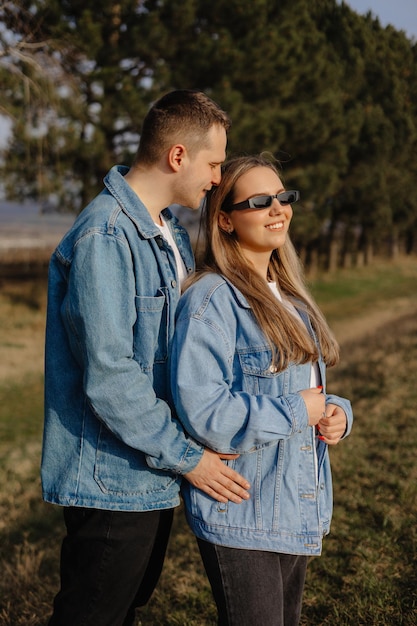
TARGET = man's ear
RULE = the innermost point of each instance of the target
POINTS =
(225, 223)
(176, 156)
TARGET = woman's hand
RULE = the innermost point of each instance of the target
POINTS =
(314, 399)
(333, 426)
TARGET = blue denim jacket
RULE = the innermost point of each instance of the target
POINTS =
(230, 399)
(112, 295)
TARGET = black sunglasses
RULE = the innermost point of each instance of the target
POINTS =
(263, 202)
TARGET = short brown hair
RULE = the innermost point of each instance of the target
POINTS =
(181, 116)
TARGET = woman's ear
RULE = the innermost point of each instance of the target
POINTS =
(225, 223)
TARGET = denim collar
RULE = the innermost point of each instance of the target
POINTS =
(131, 204)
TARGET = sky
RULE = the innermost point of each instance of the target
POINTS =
(402, 14)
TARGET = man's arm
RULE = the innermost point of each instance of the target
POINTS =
(100, 313)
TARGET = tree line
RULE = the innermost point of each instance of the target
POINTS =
(330, 93)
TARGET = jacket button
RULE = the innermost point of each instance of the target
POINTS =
(173, 283)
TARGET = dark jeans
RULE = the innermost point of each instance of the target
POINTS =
(110, 563)
(253, 587)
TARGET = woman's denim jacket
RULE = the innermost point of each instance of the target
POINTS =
(230, 399)
(110, 440)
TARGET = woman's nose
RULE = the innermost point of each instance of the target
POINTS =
(276, 206)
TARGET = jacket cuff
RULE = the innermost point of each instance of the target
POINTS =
(189, 460)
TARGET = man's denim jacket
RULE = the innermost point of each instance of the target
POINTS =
(112, 297)
(231, 399)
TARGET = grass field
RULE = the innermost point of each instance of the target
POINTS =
(367, 574)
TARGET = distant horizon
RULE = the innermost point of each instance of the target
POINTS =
(23, 225)
(28, 208)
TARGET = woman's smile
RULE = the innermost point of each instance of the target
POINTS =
(275, 226)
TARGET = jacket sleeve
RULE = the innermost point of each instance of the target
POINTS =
(99, 314)
(216, 415)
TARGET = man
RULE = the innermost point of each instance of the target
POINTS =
(113, 454)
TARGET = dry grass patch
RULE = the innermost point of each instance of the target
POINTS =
(22, 325)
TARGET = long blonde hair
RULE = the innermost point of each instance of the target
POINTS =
(289, 340)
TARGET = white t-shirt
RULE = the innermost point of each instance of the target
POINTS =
(315, 372)
(167, 235)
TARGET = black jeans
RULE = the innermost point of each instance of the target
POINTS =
(253, 587)
(110, 563)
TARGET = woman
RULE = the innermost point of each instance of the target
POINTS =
(249, 360)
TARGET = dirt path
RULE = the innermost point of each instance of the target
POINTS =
(360, 326)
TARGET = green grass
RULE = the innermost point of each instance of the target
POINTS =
(361, 290)
(368, 571)
(367, 574)
(21, 407)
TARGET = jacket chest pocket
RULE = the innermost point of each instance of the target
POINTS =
(259, 374)
(151, 330)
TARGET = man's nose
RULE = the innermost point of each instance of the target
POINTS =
(217, 175)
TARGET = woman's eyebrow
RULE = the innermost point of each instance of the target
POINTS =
(264, 193)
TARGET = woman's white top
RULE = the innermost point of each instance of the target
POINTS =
(315, 378)
(315, 373)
